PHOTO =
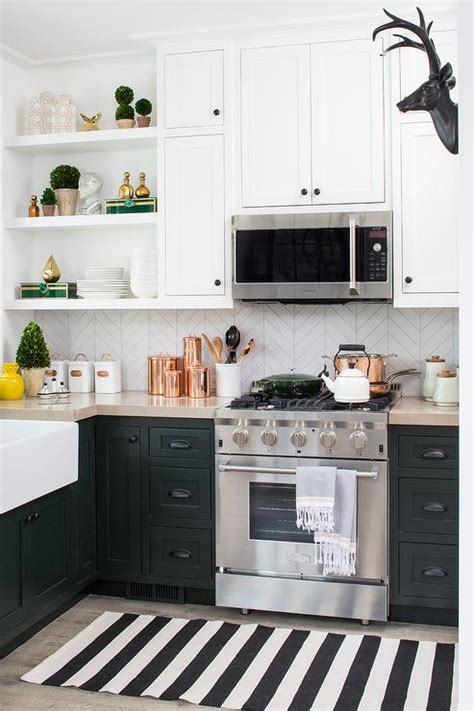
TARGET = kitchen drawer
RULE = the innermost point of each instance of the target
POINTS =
(179, 443)
(181, 553)
(179, 493)
(428, 452)
(428, 505)
(428, 570)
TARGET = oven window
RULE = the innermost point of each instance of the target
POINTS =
(273, 513)
(292, 255)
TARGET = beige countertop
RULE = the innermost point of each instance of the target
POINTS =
(128, 403)
(416, 411)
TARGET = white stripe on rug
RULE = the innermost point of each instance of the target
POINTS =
(253, 675)
(376, 685)
(291, 682)
(335, 679)
(420, 680)
(183, 659)
(213, 672)
(70, 649)
(145, 655)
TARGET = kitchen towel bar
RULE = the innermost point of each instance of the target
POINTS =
(279, 470)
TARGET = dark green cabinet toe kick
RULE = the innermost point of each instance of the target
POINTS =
(139, 522)
(424, 524)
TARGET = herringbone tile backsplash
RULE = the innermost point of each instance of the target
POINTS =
(286, 336)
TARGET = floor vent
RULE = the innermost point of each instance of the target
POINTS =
(159, 593)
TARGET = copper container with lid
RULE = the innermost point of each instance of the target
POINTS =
(172, 383)
(199, 381)
(192, 353)
(157, 365)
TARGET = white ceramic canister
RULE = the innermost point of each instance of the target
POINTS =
(58, 369)
(81, 374)
(228, 380)
(433, 365)
(108, 375)
(446, 393)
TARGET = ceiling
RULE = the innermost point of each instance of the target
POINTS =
(45, 30)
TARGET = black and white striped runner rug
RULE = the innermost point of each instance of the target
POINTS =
(251, 666)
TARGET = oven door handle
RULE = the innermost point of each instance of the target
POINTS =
(280, 470)
(353, 284)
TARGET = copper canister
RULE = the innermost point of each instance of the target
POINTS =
(157, 365)
(172, 383)
(192, 353)
(199, 381)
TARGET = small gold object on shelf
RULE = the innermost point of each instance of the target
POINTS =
(51, 272)
(33, 210)
(91, 123)
(126, 190)
(142, 191)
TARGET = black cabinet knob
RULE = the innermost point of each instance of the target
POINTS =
(216, 112)
(408, 280)
(133, 439)
(304, 191)
(317, 191)
(217, 282)
(29, 518)
(36, 516)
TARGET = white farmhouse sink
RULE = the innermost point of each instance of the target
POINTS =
(35, 459)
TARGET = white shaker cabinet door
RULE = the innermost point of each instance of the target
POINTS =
(276, 126)
(194, 215)
(347, 122)
(430, 189)
(194, 89)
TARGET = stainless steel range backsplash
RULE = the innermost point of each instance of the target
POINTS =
(286, 336)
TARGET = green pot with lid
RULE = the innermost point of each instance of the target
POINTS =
(291, 385)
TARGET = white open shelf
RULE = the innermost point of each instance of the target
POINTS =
(107, 140)
(81, 221)
(80, 304)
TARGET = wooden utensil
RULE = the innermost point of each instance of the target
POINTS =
(210, 348)
(218, 346)
(246, 350)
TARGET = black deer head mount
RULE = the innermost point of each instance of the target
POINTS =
(433, 94)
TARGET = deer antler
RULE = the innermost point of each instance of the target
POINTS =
(421, 31)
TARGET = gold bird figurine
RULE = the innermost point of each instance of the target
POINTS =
(91, 124)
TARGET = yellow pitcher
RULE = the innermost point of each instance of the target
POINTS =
(11, 383)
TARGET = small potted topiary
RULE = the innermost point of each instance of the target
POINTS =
(48, 201)
(65, 183)
(33, 358)
(143, 107)
(125, 113)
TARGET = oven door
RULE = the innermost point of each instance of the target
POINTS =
(256, 528)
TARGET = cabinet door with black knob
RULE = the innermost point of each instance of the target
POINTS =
(13, 570)
(118, 499)
(181, 554)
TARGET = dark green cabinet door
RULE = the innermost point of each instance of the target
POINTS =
(50, 549)
(13, 570)
(118, 499)
(86, 531)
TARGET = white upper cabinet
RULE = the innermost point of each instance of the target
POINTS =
(195, 216)
(429, 226)
(276, 126)
(347, 122)
(194, 89)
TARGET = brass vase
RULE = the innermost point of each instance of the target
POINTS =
(33, 379)
(67, 201)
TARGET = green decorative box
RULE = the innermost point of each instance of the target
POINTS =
(120, 207)
(41, 290)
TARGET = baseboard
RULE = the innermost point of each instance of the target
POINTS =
(424, 615)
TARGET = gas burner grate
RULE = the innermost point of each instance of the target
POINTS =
(322, 403)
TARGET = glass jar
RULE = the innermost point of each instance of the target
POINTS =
(11, 383)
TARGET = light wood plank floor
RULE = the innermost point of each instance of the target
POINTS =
(16, 695)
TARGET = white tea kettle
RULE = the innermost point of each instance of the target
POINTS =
(351, 385)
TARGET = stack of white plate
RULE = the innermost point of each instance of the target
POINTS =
(103, 283)
(144, 273)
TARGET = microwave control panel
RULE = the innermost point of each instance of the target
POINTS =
(372, 254)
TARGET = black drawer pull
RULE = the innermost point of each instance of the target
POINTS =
(434, 454)
(434, 507)
(133, 439)
(180, 494)
(180, 553)
(434, 572)
(180, 444)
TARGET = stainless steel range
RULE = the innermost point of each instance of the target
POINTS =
(263, 560)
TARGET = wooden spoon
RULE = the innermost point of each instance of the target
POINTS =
(218, 346)
(211, 349)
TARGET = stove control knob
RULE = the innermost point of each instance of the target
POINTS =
(240, 436)
(269, 438)
(298, 439)
(327, 438)
(358, 440)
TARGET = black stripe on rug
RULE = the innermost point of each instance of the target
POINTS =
(397, 687)
(441, 688)
(314, 677)
(356, 679)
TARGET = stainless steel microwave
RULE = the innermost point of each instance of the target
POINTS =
(325, 257)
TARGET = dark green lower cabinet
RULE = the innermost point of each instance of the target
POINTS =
(13, 571)
(180, 555)
(85, 509)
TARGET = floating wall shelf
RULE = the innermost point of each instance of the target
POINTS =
(114, 139)
(80, 222)
(80, 304)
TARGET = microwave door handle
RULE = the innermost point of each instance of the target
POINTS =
(353, 285)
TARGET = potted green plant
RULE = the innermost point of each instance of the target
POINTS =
(125, 113)
(33, 358)
(143, 107)
(65, 183)
(48, 201)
